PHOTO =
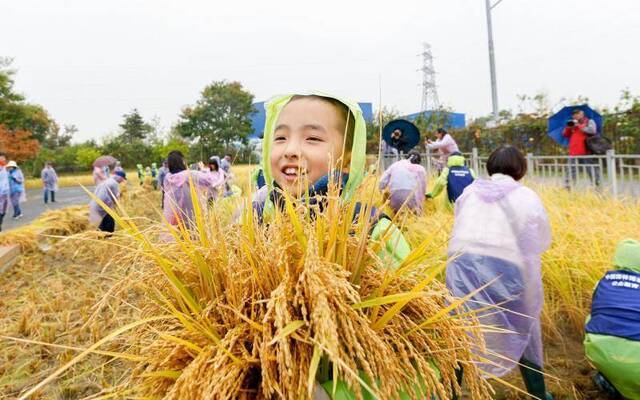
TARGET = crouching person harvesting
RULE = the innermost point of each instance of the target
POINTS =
(108, 192)
(612, 341)
(500, 231)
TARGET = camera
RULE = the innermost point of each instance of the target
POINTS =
(571, 122)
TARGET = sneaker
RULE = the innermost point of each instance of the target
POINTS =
(19, 216)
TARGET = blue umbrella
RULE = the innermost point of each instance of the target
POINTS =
(409, 135)
(558, 121)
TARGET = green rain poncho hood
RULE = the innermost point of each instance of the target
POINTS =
(358, 149)
(618, 358)
(628, 255)
(396, 246)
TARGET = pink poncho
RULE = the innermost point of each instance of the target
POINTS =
(177, 200)
(407, 183)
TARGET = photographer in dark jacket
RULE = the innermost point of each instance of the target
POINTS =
(578, 129)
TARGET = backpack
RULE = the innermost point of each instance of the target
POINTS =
(598, 144)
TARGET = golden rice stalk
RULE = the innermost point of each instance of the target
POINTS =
(62, 222)
(266, 310)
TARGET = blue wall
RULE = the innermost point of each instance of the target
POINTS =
(258, 118)
(454, 120)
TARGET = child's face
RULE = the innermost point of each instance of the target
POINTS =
(309, 135)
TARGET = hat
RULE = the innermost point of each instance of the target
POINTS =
(12, 164)
(628, 255)
(121, 174)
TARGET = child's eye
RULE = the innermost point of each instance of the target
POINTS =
(279, 138)
(314, 139)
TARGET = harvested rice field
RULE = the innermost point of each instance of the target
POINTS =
(246, 311)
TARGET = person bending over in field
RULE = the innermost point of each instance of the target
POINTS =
(612, 341)
(406, 181)
(500, 231)
(108, 192)
(455, 178)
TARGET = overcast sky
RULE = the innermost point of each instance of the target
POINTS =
(89, 62)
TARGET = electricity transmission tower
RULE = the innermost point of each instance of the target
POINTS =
(429, 91)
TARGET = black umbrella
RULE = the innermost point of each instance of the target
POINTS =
(406, 135)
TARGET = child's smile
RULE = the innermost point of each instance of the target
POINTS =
(307, 143)
(293, 173)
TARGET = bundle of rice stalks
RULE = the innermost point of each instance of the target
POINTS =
(62, 222)
(65, 221)
(266, 311)
(26, 237)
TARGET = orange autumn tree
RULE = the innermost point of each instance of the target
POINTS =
(18, 144)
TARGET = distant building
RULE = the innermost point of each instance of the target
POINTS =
(452, 120)
(258, 118)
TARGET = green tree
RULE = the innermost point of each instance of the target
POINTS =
(220, 118)
(56, 138)
(15, 113)
(85, 156)
(161, 151)
(134, 128)
(622, 123)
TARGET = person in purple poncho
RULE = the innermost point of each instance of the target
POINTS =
(406, 181)
(218, 177)
(49, 182)
(178, 204)
(108, 192)
(500, 231)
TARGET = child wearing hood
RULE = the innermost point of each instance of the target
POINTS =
(140, 170)
(307, 138)
(154, 176)
(178, 205)
(454, 178)
(500, 231)
(612, 341)
(406, 181)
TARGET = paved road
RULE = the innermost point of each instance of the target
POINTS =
(34, 206)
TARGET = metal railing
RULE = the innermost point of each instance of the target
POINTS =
(617, 174)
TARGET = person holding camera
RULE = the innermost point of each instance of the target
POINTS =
(578, 129)
(445, 144)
